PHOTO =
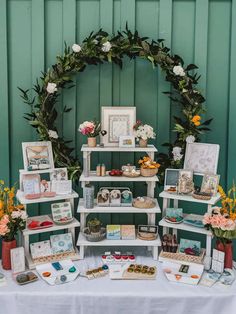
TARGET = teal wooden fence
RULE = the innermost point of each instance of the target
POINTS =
(32, 33)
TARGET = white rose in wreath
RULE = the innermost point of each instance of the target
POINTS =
(177, 153)
(51, 88)
(106, 47)
(178, 70)
(190, 139)
(76, 48)
(52, 134)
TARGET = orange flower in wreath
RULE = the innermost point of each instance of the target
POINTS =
(196, 120)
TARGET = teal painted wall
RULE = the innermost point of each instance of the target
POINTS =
(32, 33)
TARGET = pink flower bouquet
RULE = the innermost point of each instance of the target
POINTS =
(90, 128)
(221, 225)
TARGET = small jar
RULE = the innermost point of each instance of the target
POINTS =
(98, 170)
(89, 196)
(103, 170)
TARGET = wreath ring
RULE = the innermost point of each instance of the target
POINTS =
(96, 49)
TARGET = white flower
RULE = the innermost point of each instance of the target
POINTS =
(19, 214)
(106, 46)
(76, 48)
(177, 153)
(51, 88)
(190, 139)
(178, 70)
(53, 134)
(95, 41)
(145, 132)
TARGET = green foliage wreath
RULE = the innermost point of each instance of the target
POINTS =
(96, 49)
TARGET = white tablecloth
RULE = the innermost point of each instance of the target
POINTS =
(100, 296)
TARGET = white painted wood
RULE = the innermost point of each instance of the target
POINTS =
(24, 201)
(183, 226)
(149, 148)
(189, 198)
(94, 178)
(137, 242)
(116, 209)
(75, 223)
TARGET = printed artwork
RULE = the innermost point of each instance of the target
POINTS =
(61, 243)
(38, 157)
(202, 158)
(118, 125)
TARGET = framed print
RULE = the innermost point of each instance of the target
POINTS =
(126, 141)
(117, 121)
(61, 187)
(171, 178)
(31, 185)
(59, 174)
(37, 155)
(202, 158)
(210, 184)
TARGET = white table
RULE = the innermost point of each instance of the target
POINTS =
(100, 296)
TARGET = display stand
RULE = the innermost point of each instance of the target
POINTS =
(26, 233)
(90, 176)
(167, 197)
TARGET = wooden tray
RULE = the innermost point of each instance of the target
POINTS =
(183, 257)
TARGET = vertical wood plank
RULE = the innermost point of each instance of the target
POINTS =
(201, 44)
(127, 85)
(69, 96)
(163, 102)
(105, 84)
(38, 65)
(231, 166)
(5, 171)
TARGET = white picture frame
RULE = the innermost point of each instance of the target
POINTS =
(210, 183)
(32, 158)
(117, 121)
(31, 184)
(171, 178)
(127, 141)
(202, 158)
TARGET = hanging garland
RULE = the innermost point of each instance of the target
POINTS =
(96, 49)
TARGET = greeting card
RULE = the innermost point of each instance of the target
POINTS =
(113, 232)
(128, 232)
(61, 243)
(40, 249)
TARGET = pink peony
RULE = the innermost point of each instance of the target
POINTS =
(3, 225)
(87, 128)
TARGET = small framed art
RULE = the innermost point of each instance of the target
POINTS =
(210, 184)
(37, 155)
(171, 178)
(117, 121)
(126, 141)
(59, 174)
(31, 185)
(202, 158)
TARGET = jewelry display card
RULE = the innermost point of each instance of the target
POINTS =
(18, 260)
(61, 243)
(40, 249)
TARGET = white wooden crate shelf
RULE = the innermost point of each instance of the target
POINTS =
(92, 177)
(24, 201)
(75, 223)
(149, 148)
(116, 209)
(189, 198)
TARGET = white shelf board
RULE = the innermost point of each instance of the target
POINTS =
(24, 201)
(149, 148)
(116, 209)
(23, 171)
(189, 198)
(94, 178)
(75, 223)
(137, 242)
(183, 226)
(32, 265)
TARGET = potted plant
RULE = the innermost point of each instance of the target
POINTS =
(12, 219)
(143, 132)
(222, 222)
(91, 129)
(94, 226)
(148, 167)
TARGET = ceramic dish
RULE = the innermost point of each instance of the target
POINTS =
(167, 219)
(25, 278)
(96, 237)
(63, 222)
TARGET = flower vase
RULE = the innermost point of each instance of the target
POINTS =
(142, 143)
(6, 253)
(227, 248)
(92, 142)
